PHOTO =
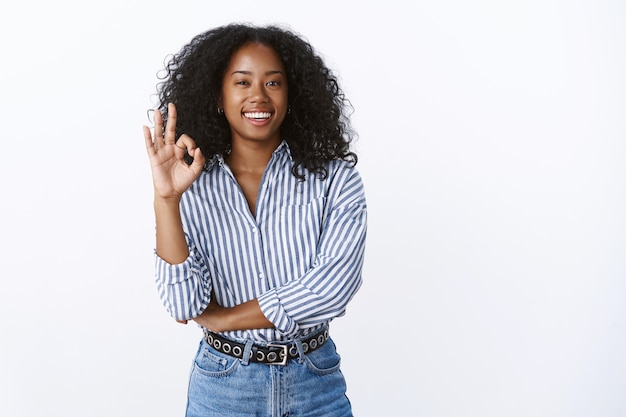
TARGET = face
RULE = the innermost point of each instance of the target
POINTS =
(254, 94)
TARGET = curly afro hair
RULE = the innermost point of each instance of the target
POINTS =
(317, 129)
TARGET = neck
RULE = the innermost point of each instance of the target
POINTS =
(252, 157)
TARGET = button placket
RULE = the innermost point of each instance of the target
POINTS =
(258, 250)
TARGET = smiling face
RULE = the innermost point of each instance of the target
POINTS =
(254, 94)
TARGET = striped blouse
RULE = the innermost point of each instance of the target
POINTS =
(301, 255)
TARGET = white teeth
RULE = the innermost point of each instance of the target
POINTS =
(258, 115)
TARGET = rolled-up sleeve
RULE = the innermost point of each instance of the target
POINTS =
(183, 288)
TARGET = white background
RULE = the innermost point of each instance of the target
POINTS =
(492, 145)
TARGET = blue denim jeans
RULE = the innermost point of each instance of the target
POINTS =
(310, 385)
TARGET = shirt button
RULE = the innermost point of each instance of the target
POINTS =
(254, 229)
(261, 275)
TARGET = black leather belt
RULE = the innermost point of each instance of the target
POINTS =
(272, 353)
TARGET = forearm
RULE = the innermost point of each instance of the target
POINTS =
(244, 316)
(171, 244)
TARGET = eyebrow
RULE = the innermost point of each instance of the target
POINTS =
(271, 72)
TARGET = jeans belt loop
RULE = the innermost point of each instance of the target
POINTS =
(301, 353)
(247, 353)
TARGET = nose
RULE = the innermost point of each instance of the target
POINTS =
(257, 93)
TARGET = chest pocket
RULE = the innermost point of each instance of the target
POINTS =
(300, 228)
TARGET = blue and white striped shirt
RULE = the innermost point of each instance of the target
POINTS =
(301, 256)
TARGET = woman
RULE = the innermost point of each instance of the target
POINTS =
(260, 219)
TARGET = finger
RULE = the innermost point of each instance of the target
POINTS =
(158, 129)
(148, 139)
(170, 126)
(186, 142)
(198, 160)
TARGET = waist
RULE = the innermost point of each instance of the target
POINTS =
(274, 353)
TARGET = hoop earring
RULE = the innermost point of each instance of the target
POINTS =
(289, 109)
(220, 111)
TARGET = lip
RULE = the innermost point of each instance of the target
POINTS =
(258, 117)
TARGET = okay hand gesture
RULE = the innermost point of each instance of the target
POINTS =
(171, 175)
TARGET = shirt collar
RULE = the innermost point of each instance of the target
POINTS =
(218, 159)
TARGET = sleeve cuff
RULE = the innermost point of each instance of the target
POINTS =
(169, 274)
(274, 312)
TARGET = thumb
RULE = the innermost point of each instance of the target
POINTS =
(198, 159)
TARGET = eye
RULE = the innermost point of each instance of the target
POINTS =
(241, 82)
(273, 83)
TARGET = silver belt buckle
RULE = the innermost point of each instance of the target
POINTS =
(284, 354)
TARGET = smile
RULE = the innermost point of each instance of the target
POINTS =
(257, 115)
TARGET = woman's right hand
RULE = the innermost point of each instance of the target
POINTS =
(171, 175)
